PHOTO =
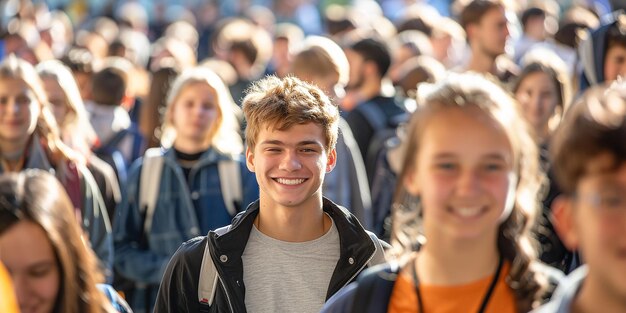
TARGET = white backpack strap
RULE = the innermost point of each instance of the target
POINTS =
(207, 283)
(230, 183)
(149, 185)
(208, 278)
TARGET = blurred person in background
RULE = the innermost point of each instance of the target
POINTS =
(200, 132)
(43, 249)
(29, 138)
(76, 131)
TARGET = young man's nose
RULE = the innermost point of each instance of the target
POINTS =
(290, 161)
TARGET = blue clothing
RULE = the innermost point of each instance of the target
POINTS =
(95, 220)
(118, 303)
(347, 184)
(184, 210)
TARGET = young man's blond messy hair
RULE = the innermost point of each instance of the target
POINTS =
(278, 104)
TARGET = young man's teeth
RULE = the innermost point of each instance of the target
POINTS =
(467, 212)
(285, 181)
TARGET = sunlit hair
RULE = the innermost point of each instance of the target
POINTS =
(38, 197)
(595, 125)
(18, 69)
(541, 60)
(75, 129)
(278, 104)
(467, 91)
(320, 57)
(224, 133)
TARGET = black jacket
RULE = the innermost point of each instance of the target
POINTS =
(179, 288)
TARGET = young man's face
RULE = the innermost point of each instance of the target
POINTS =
(594, 221)
(491, 33)
(290, 165)
(615, 63)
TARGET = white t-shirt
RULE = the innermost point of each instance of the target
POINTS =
(288, 276)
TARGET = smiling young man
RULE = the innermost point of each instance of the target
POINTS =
(292, 249)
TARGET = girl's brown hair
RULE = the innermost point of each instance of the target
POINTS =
(37, 196)
(515, 243)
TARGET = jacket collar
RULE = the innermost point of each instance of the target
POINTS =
(355, 244)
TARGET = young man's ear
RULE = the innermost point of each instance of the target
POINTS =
(332, 161)
(563, 216)
(250, 159)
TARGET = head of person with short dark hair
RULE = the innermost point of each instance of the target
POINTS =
(109, 85)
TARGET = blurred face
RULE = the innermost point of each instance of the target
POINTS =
(356, 63)
(598, 224)
(290, 165)
(19, 111)
(194, 113)
(57, 99)
(491, 33)
(538, 98)
(615, 63)
(463, 175)
(30, 259)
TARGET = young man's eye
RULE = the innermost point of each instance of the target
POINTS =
(612, 201)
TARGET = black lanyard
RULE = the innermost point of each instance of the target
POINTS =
(486, 299)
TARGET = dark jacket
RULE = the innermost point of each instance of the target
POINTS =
(179, 287)
(592, 53)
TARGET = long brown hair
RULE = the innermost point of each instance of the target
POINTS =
(37, 196)
(515, 243)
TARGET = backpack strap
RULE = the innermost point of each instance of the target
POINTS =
(207, 283)
(149, 185)
(374, 288)
(230, 183)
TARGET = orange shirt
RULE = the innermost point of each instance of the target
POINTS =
(452, 299)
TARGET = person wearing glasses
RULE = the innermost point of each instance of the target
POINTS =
(589, 157)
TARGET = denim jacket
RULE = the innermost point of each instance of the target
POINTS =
(182, 211)
(95, 220)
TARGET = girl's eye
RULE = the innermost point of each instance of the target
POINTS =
(446, 166)
(493, 167)
(40, 271)
(22, 99)
(4, 100)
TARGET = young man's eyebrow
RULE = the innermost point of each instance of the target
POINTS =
(301, 143)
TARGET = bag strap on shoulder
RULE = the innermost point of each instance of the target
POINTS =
(149, 181)
(230, 183)
(207, 283)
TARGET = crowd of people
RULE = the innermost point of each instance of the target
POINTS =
(307, 156)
